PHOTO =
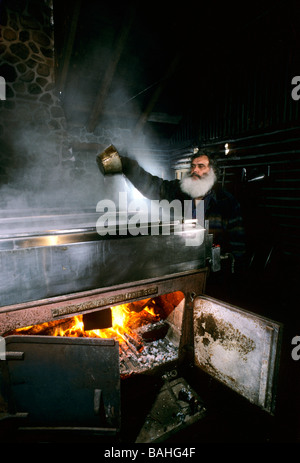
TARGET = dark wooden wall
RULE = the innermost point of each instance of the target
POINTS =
(247, 103)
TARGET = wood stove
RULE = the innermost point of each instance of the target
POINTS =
(53, 277)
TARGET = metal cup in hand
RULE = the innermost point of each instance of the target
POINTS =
(109, 162)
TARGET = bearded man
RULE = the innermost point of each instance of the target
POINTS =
(220, 208)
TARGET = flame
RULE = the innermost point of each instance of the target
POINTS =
(122, 321)
(151, 311)
(73, 331)
(119, 317)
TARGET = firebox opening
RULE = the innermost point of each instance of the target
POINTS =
(148, 331)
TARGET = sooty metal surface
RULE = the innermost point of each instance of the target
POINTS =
(238, 348)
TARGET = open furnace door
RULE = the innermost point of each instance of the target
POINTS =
(238, 348)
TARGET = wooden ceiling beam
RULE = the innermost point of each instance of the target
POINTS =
(111, 68)
(67, 52)
(155, 96)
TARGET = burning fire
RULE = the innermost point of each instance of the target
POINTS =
(124, 321)
(133, 325)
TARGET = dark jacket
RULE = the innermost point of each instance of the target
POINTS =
(220, 207)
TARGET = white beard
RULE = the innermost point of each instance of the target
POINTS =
(198, 187)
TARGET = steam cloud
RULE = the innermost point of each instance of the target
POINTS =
(44, 176)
